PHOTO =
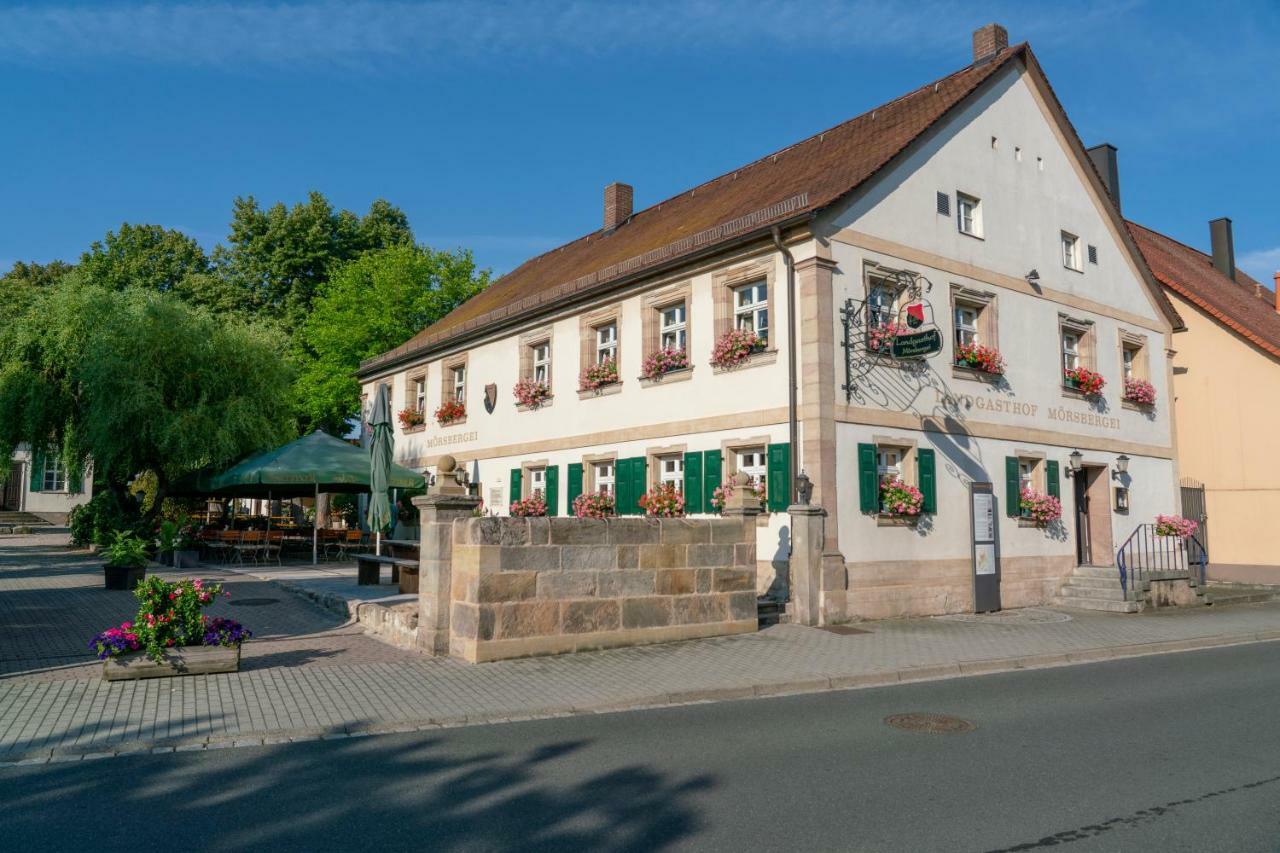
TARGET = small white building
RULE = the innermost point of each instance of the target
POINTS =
(42, 487)
(965, 213)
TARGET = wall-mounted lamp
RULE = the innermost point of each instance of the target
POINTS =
(1122, 467)
(1122, 499)
(1032, 277)
(1073, 463)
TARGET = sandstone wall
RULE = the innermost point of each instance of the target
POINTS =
(533, 586)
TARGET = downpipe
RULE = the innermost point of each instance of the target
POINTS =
(793, 427)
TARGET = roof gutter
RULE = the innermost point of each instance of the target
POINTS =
(368, 371)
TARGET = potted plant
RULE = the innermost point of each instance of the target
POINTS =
(593, 506)
(900, 500)
(531, 392)
(450, 412)
(980, 358)
(1084, 380)
(126, 563)
(1140, 392)
(1175, 525)
(663, 501)
(166, 542)
(725, 491)
(598, 376)
(663, 361)
(170, 636)
(532, 506)
(186, 550)
(411, 418)
(1041, 508)
(735, 348)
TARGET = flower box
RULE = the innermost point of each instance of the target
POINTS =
(1140, 392)
(661, 362)
(411, 418)
(1175, 525)
(599, 376)
(530, 507)
(183, 660)
(899, 499)
(1039, 508)
(531, 393)
(735, 348)
(663, 501)
(980, 358)
(1085, 381)
(122, 577)
(450, 413)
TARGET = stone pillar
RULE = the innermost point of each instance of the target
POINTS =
(807, 531)
(743, 505)
(445, 501)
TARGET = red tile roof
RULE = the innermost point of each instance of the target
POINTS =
(1243, 305)
(798, 180)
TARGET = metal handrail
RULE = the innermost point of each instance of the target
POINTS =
(1144, 553)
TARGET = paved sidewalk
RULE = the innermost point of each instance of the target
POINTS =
(326, 680)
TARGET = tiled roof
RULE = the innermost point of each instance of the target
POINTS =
(800, 179)
(1243, 305)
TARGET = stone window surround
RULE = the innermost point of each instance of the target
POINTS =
(654, 302)
(1038, 478)
(654, 476)
(410, 391)
(1138, 342)
(723, 283)
(729, 448)
(873, 275)
(527, 341)
(908, 447)
(446, 383)
(1087, 348)
(986, 304)
(587, 325)
(589, 463)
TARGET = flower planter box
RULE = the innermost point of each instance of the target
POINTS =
(186, 559)
(123, 577)
(187, 660)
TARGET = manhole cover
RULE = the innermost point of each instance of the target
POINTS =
(844, 629)
(253, 602)
(939, 724)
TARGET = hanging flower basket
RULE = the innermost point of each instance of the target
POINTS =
(735, 348)
(1175, 525)
(531, 393)
(725, 491)
(880, 338)
(410, 418)
(598, 376)
(664, 501)
(978, 357)
(900, 500)
(450, 413)
(1085, 381)
(1041, 508)
(593, 506)
(531, 507)
(661, 362)
(1140, 392)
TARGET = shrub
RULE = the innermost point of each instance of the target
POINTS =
(534, 506)
(97, 521)
(593, 506)
(663, 501)
(1040, 508)
(900, 499)
(1139, 391)
(1089, 383)
(598, 376)
(663, 361)
(735, 347)
(978, 357)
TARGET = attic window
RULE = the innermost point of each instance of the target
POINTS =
(1093, 255)
(944, 204)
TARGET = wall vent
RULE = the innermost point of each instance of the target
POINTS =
(1093, 254)
(944, 204)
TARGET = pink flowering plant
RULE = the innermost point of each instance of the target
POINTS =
(531, 392)
(1139, 391)
(734, 348)
(900, 499)
(410, 418)
(450, 412)
(530, 507)
(599, 375)
(1039, 507)
(663, 361)
(1084, 380)
(880, 338)
(1175, 525)
(663, 501)
(593, 506)
(978, 357)
(169, 615)
(725, 491)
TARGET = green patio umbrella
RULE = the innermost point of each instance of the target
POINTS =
(380, 454)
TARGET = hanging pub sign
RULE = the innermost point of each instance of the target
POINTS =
(918, 336)
(909, 331)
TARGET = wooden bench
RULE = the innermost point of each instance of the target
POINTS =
(403, 571)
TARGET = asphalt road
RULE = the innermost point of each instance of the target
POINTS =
(1173, 752)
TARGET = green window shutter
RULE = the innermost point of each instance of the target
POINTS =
(868, 482)
(778, 477)
(639, 482)
(926, 469)
(711, 473)
(573, 488)
(629, 483)
(1051, 478)
(37, 470)
(1012, 494)
(552, 496)
(693, 500)
(516, 476)
(621, 485)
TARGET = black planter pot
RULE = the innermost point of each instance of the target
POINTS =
(123, 577)
(186, 559)
(164, 558)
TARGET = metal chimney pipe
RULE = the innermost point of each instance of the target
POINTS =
(1108, 166)
(1224, 250)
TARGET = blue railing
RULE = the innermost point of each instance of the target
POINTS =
(1144, 553)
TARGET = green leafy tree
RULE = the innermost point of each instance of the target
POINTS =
(145, 256)
(370, 305)
(23, 282)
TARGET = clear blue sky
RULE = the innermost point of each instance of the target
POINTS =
(496, 125)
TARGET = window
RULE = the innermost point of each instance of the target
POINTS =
(1071, 251)
(888, 463)
(420, 394)
(673, 326)
(1070, 349)
(607, 343)
(55, 475)
(969, 215)
(1129, 357)
(1026, 474)
(966, 325)
(882, 305)
(537, 481)
(753, 463)
(460, 384)
(751, 308)
(542, 362)
(671, 471)
(1133, 356)
(605, 478)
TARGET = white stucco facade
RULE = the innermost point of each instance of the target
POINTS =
(53, 498)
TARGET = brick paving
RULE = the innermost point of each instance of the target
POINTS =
(309, 674)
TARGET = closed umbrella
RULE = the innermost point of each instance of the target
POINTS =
(381, 449)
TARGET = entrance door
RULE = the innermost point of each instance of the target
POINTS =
(1194, 508)
(11, 495)
(1084, 552)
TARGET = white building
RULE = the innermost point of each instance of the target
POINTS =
(968, 203)
(42, 487)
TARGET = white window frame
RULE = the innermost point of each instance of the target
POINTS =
(890, 462)
(673, 331)
(537, 481)
(460, 384)
(1071, 252)
(54, 476)
(606, 342)
(967, 331)
(671, 470)
(753, 461)
(420, 394)
(604, 476)
(1129, 354)
(1026, 473)
(751, 307)
(879, 311)
(1071, 355)
(969, 214)
(541, 353)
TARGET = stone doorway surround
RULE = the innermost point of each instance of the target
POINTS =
(1096, 487)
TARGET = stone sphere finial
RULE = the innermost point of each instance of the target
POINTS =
(446, 464)
(740, 479)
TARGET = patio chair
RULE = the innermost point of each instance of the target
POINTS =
(251, 545)
(222, 543)
(352, 543)
(329, 542)
(272, 546)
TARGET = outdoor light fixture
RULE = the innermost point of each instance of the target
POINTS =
(1032, 277)
(1073, 463)
(1122, 467)
(1122, 499)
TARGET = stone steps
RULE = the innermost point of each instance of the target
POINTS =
(21, 519)
(1110, 592)
(1095, 588)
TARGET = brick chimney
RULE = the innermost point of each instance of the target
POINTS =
(988, 41)
(1108, 166)
(1224, 250)
(617, 204)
